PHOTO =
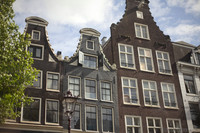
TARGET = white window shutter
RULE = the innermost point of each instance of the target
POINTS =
(81, 57)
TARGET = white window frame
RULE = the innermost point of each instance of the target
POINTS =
(69, 76)
(145, 56)
(34, 122)
(90, 56)
(87, 44)
(194, 83)
(50, 123)
(154, 127)
(42, 46)
(170, 107)
(95, 88)
(139, 14)
(41, 77)
(112, 119)
(33, 33)
(126, 53)
(96, 118)
(137, 93)
(173, 128)
(150, 90)
(111, 99)
(48, 89)
(133, 126)
(163, 62)
(147, 29)
(80, 119)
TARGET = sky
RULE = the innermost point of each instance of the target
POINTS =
(180, 19)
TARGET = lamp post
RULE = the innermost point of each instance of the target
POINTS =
(70, 102)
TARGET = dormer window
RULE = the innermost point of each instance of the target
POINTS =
(90, 61)
(35, 35)
(139, 14)
(36, 51)
(141, 31)
(90, 45)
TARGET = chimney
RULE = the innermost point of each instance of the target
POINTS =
(103, 40)
(59, 55)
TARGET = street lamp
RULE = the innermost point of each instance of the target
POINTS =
(70, 102)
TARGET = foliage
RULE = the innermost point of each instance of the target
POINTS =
(16, 71)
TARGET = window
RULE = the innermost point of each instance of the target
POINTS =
(106, 91)
(139, 14)
(90, 89)
(35, 35)
(133, 124)
(90, 45)
(142, 31)
(126, 56)
(189, 84)
(154, 125)
(74, 85)
(146, 59)
(36, 51)
(52, 81)
(31, 112)
(76, 121)
(198, 58)
(169, 95)
(150, 93)
(107, 120)
(195, 114)
(90, 62)
(52, 108)
(38, 82)
(91, 118)
(163, 62)
(130, 91)
(174, 126)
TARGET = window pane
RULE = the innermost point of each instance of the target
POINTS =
(107, 120)
(91, 121)
(38, 52)
(76, 118)
(138, 32)
(31, 112)
(52, 112)
(90, 89)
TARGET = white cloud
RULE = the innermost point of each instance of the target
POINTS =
(159, 8)
(190, 6)
(184, 32)
(77, 13)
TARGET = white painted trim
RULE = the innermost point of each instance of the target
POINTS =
(133, 116)
(111, 96)
(49, 123)
(137, 91)
(95, 88)
(47, 89)
(87, 44)
(133, 58)
(148, 36)
(41, 79)
(112, 119)
(37, 45)
(69, 76)
(161, 125)
(80, 118)
(91, 56)
(139, 15)
(96, 107)
(153, 68)
(32, 35)
(163, 62)
(149, 89)
(173, 123)
(39, 122)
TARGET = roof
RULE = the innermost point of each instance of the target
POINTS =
(35, 19)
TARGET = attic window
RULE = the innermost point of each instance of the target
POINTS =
(90, 45)
(35, 35)
(139, 14)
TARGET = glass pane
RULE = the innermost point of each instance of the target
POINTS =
(165, 55)
(129, 130)
(170, 123)
(149, 64)
(157, 122)
(137, 130)
(144, 31)
(38, 52)
(150, 122)
(147, 53)
(177, 124)
(145, 84)
(159, 55)
(90, 45)
(129, 49)
(141, 51)
(153, 85)
(129, 121)
(125, 82)
(164, 87)
(137, 121)
(158, 130)
(138, 32)
(151, 130)
(122, 48)
(132, 83)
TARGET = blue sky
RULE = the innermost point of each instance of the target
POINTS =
(178, 18)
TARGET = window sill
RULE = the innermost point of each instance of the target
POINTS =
(147, 71)
(174, 108)
(31, 122)
(143, 38)
(128, 68)
(129, 104)
(91, 99)
(169, 74)
(52, 90)
(37, 58)
(51, 124)
(106, 101)
(152, 106)
(191, 94)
